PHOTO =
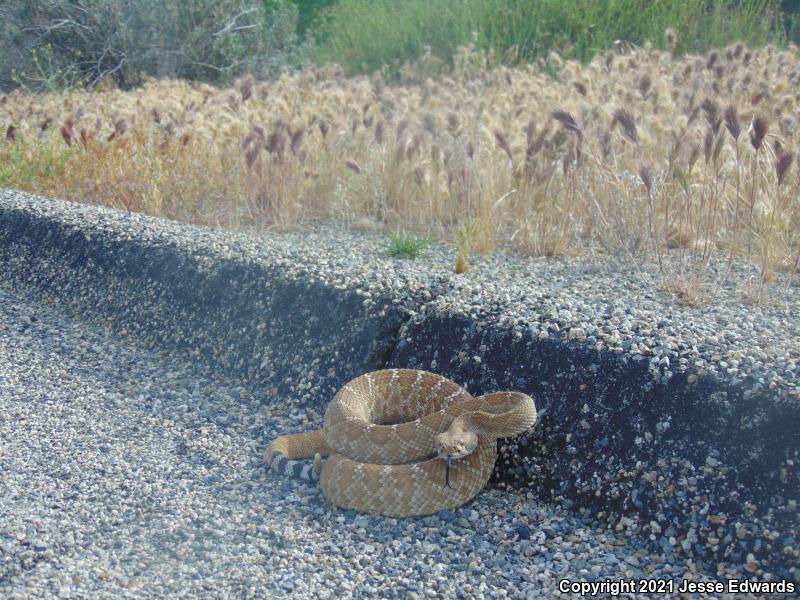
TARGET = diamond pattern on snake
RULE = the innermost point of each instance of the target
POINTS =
(404, 442)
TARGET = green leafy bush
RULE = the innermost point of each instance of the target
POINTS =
(89, 40)
(364, 35)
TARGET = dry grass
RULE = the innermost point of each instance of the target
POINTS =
(636, 154)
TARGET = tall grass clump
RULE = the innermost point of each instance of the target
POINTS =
(682, 166)
(365, 35)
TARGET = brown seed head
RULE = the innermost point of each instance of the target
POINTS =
(783, 165)
(297, 140)
(502, 141)
(530, 131)
(247, 89)
(248, 139)
(605, 144)
(644, 85)
(568, 122)
(353, 166)
(628, 123)
(276, 143)
(758, 131)
(11, 133)
(711, 111)
(250, 156)
(67, 134)
(414, 147)
(732, 122)
(647, 178)
(86, 137)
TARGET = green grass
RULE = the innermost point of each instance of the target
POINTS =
(25, 165)
(407, 245)
(365, 35)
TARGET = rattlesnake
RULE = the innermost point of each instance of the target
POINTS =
(438, 455)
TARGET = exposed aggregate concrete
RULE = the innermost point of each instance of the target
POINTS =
(672, 423)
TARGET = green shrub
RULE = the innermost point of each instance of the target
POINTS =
(124, 40)
(364, 35)
(308, 12)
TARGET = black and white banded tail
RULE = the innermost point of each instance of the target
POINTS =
(297, 469)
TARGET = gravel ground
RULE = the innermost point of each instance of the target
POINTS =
(125, 473)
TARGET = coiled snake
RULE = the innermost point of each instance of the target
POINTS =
(438, 453)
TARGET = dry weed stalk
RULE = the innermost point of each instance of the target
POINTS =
(628, 149)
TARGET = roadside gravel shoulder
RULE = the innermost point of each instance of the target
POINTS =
(129, 474)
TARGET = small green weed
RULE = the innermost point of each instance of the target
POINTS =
(403, 244)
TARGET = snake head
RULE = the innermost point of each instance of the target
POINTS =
(455, 443)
